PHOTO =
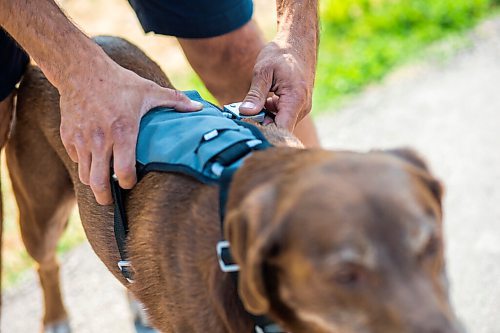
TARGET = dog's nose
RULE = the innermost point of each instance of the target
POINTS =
(440, 325)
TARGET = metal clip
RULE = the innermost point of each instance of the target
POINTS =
(234, 109)
(227, 268)
(126, 268)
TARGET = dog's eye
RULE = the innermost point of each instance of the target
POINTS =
(348, 276)
(430, 249)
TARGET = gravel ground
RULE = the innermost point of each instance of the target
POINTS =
(449, 112)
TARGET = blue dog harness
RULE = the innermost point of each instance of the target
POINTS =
(209, 145)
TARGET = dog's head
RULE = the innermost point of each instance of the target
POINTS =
(345, 242)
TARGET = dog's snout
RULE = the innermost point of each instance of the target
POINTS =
(438, 324)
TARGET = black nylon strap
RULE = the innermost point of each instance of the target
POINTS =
(120, 220)
(224, 184)
(233, 153)
(120, 226)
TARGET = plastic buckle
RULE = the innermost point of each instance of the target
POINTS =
(126, 268)
(234, 109)
(227, 268)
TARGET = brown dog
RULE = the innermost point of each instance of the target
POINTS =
(327, 241)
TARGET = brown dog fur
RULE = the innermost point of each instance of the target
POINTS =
(327, 242)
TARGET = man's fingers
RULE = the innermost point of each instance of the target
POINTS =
(257, 95)
(286, 116)
(71, 150)
(99, 176)
(84, 161)
(124, 141)
(272, 103)
(68, 144)
(285, 120)
(124, 165)
(175, 99)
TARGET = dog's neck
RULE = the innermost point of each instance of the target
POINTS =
(280, 137)
(264, 165)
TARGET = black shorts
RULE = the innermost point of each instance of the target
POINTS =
(192, 18)
(179, 18)
(13, 61)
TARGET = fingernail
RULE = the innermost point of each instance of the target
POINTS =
(197, 105)
(247, 105)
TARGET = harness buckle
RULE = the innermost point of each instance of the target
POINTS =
(126, 269)
(233, 111)
(224, 254)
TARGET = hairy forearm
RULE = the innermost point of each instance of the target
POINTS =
(298, 32)
(60, 49)
(298, 22)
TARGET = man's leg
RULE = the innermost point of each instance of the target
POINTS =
(225, 64)
(220, 41)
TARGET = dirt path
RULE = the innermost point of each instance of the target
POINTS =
(449, 112)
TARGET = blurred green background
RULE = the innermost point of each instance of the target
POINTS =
(361, 41)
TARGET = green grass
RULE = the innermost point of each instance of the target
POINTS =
(362, 40)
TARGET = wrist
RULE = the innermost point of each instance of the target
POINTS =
(87, 66)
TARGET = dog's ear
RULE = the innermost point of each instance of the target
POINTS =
(249, 229)
(412, 157)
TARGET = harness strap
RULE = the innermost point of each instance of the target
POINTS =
(120, 226)
(224, 184)
(227, 264)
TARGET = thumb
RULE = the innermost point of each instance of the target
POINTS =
(257, 95)
(175, 99)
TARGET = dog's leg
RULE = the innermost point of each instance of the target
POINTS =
(44, 194)
(6, 110)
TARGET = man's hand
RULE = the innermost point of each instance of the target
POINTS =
(101, 102)
(290, 76)
(283, 76)
(100, 119)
